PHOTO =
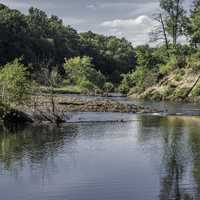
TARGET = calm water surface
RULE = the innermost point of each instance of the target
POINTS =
(144, 158)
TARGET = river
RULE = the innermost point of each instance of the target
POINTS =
(105, 156)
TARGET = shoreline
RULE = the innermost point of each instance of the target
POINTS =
(53, 109)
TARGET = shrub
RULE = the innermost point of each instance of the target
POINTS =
(80, 72)
(85, 84)
(15, 86)
(108, 87)
(166, 68)
(196, 91)
(178, 77)
(194, 62)
(141, 78)
(175, 62)
(127, 83)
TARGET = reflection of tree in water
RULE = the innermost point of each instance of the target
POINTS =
(172, 157)
(37, 145)
(175, 152)
(194, 140)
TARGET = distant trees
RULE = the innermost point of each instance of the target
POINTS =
(145, 73)
(193, 28)
(13, 34)
(172, 21)
(174, 17)
(45, 42)
(111, 55)
(81, 72)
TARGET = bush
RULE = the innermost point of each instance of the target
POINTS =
(15, 86)
(127, 83)
(108, 87)
(166, 68)
(194, 62)
(80, 72)
(196, 91)
(178, 77)
(85, 84)
(141, 78)
(179, 73)
(175, 62)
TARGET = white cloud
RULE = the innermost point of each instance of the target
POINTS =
(91, 7)
(136, 30)
(142, 20)
(73, 21)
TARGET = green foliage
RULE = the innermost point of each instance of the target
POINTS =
(111, 55)
(15, 86)
(81, 72)
(178, 77)
(45, 41)
(193, 27)
(194, 62)
(127, 83)
(175, 62)
(139, 79)
(196, 91)
(180, 93)
(165, 69)
(175, 18)
(108, 87)
(146, 58)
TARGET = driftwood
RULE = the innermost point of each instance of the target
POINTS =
(193, 86)
(41, 111)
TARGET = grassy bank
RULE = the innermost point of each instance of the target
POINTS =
(180, 85)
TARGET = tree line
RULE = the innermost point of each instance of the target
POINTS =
(47, 52)
(42, 41)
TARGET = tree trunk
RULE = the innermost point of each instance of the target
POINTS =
(190, 90)
(175, 27)
(165, 34)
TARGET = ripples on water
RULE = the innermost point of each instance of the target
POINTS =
(148, 158)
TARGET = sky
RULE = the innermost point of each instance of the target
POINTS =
(131, 19)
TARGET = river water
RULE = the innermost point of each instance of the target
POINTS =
(104, 156)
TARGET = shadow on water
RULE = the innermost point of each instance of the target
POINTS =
(31, 144)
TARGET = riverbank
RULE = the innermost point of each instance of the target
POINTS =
(46, 108)
(180, 85)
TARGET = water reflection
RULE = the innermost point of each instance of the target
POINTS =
(35, 145)
(180, 138)
(170, 143)
(174, 156)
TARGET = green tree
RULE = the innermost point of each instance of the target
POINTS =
(111, 55)
(193, 27)
(81, 72)
(15, 86)
(174, 18)
(13, 34)
(108, 87)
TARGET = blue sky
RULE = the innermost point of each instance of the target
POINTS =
(131, 19)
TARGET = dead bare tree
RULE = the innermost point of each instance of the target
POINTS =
(159, 32)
